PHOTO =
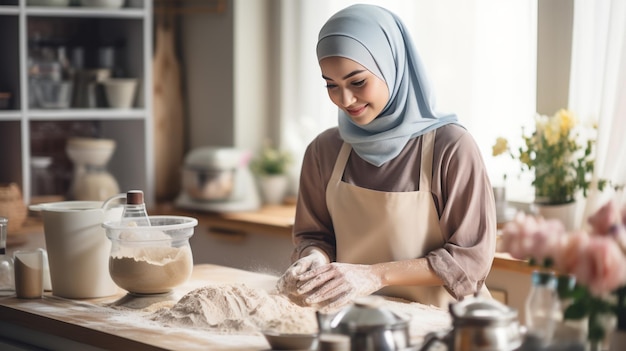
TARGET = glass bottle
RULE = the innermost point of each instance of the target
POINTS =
(543, 306)
(7, 282)
(135, 213)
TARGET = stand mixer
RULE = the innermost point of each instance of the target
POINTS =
(218, 179)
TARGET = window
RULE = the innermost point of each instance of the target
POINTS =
(480, 55)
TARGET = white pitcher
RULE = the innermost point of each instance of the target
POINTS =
(78, 249)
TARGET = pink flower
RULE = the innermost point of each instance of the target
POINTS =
(572, 252)
(605, 219)
(532, 237)
(600, 266)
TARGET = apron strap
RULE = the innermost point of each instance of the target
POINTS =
(340, 163)
(426, 169)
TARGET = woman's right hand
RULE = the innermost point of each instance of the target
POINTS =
(287, 284)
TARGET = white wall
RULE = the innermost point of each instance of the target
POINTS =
(231, 60)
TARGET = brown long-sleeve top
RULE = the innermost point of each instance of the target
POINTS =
(460, 188)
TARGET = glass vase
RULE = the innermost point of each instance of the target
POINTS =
(543, 307)
(569, 334)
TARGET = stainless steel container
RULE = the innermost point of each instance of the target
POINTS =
(370, 326)
(480, 324)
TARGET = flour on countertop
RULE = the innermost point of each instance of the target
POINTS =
(237, 308)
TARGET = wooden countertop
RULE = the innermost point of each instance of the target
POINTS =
(271, 220)
(95, 323)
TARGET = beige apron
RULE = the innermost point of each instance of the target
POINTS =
(375, 226)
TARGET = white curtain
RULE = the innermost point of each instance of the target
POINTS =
(598, 87)
(480, 55)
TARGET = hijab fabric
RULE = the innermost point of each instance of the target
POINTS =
(378, 40)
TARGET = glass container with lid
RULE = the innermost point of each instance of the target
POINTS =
(7, 282)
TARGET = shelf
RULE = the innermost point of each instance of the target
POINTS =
(78, 114)
(27, 131)
(10, 115)
(9, 10)
(83, 12)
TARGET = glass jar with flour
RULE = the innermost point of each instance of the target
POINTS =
(148, 260)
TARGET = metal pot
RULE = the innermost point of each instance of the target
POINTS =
(369, 326)
(479, 324)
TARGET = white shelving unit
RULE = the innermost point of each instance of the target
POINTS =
(132, 163)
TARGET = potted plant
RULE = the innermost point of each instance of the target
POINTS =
(271, 166)
(562, 162)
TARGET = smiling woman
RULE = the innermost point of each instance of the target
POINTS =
(479, 54)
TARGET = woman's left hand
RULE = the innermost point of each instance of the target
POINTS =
(335, 285)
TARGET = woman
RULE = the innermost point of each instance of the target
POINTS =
(397, 196)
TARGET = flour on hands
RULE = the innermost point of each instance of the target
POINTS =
(288, 282)
(335, 285)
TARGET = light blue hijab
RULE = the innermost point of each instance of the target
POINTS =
(378, 40)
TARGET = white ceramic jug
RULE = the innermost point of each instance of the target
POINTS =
(78, 249)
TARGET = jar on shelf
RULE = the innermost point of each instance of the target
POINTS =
(7, 283)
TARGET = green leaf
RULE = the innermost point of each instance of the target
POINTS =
(577, 310)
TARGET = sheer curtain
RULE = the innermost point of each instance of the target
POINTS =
(598, 86)
(480, 55)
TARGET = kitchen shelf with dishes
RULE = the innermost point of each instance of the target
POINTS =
(75, 69)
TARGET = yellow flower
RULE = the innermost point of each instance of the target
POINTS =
(552, 134)
(562, 164)
(501, 146)
(567, 121)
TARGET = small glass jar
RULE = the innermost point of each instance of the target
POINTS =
(543, 306)
(7, 282)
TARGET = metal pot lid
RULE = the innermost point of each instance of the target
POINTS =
(368, 313)
(481, 310)
(214, 158)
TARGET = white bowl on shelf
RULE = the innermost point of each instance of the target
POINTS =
(111, 4)
(92, 151)
(120, 92)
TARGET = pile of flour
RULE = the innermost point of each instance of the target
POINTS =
(237, 308)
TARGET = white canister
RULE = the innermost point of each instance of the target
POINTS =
(78, 249)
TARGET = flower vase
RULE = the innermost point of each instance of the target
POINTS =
(569, 333)
(273, 188)
(566, 213)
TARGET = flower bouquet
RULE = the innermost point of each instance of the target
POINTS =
(562, 163)
(595, 258)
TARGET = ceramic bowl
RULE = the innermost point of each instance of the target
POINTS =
(91, 151)
(283, 341)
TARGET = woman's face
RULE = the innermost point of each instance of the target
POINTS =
(354, 89)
